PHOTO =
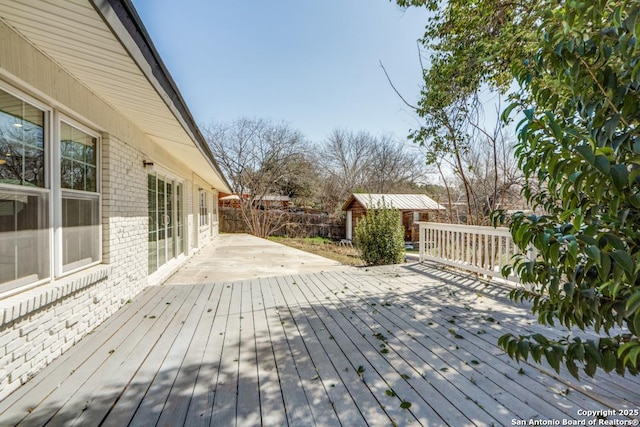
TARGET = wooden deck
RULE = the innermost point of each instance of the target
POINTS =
(410, 345)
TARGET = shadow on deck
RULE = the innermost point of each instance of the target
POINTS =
(404, 345)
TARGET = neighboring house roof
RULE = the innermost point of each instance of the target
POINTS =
(403, 202)
(104, 44)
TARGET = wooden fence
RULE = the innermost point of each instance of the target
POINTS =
(290, 224)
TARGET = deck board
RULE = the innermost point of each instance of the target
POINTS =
(272, 407)
(93, 400)
(285, 351)
(18, 405)
(177, 403)
(226, 390)
(343, 405)
(624, 391)
(64, 404)
(316, 395)
(485, 345)
(201, 402)
(248, 398)
(423, 398)
(552, 388)
(140, 389)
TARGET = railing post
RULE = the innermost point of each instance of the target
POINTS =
(422, 241)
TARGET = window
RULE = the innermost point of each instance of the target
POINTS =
(204, 211)
(80, 199)
(24, 196)
(165, 220)
(38, 197)
(214, 211)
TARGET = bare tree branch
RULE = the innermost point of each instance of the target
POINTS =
(413, 107)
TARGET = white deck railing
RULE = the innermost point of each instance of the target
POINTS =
(483, 250)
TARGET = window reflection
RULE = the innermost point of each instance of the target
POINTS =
(24, 242)
(78, 162)
(21, 142)
(24, 200)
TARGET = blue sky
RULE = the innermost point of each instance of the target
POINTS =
(311, 63)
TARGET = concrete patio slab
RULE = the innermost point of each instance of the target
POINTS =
(242, 256)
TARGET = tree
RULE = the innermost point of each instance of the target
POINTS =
(579, 149)
(259, 158)
(362, 162)
(473, 43)
(581, 138)
(493, 173)
(344, 159)
(470, 45)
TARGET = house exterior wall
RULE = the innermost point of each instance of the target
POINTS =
(39, 324)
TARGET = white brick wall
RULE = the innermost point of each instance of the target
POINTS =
(41, 324)
(38, 325)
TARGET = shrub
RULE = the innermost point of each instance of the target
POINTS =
(380, 236)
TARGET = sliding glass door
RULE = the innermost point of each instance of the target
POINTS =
(165, 220)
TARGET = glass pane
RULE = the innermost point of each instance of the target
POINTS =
(179, 213)
(153, 223)
(91, 177)
(24, 238)
(161, 210)
(80, 231)
(169, 214)
(22, 154)
(169, 222)
(153, 252)
(78, 162)
(204, 220)
(162, 258)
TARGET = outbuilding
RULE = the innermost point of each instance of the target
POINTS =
(414, 208)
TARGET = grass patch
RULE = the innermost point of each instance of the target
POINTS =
(323, 247)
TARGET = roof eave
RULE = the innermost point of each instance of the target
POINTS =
(125, 23)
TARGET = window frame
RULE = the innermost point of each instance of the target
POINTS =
(178, 226)
(214, 208)
(52, 192)
(59, 193)
(21, 285)
(203, 209)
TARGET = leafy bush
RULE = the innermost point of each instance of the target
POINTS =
(579, 138)
(380, 236)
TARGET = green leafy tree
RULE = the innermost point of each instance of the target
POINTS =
(380, 236)
(470, 46)
(580, 139)
(577, 65)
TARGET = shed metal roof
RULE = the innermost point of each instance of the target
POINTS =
(403, 202)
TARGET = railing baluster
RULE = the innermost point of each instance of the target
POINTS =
(474, 248)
